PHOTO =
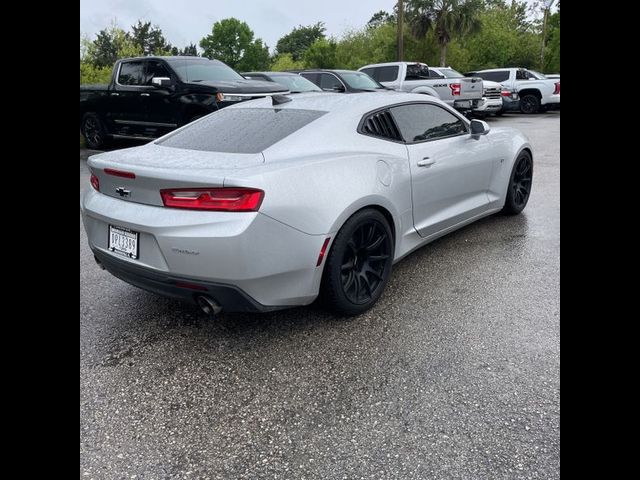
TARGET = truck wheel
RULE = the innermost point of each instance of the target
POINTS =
(529, 104)
(93, 131)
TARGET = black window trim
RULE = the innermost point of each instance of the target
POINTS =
(361, 131)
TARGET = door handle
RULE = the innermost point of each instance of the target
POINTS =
(115, 94)
(144, 94)
(426, 162)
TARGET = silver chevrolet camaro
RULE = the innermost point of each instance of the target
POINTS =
(274, 202)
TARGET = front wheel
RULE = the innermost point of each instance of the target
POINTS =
(359, 263)
(93, 131)
(519, 184)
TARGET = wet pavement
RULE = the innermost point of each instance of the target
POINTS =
(454, 374)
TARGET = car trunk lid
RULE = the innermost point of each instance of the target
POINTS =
(138, 174)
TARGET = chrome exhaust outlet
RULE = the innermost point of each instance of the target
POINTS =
(208, 305)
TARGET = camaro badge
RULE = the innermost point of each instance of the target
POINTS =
(123, 192)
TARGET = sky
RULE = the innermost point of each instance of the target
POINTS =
(187, 21)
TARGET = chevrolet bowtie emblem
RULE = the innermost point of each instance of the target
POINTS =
(123, 192)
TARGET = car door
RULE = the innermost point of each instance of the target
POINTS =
(161, 111)
(125, 111)
(450, 170)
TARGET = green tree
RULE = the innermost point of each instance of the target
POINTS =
(321, 54)
(110, 44)
(552, 50)
(231, 41)
(300, 39)
(284, 62)
(380, 18)
(150, 39)
(189, 51)
(447, 18)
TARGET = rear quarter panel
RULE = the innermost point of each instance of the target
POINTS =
(314, 182)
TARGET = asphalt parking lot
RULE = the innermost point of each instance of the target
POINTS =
(454, 374)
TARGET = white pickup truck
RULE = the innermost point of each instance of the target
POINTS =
(461, 93)
(537, 92)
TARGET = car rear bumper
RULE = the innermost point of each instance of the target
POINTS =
(510, 105)
(489, 105)
(552, 100)
(229, 297)
(272, 264)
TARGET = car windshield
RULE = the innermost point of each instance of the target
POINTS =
(360, 80)
(295, 83)
(203, 70)
(450, 73)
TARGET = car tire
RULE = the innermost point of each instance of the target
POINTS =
(529, 104)
(520, 183)
(359, 263)
(93, 131)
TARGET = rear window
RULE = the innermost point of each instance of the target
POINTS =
(382, 74)
(501, 76)
(241, 130)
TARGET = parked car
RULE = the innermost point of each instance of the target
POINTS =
(491, 101)
(461, 93)
(267, 204)
(294, 82)
(536, 92)
(150, 96)
(343, 81)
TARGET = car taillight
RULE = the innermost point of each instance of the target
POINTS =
(213, 199)
(455, 88)
(95, 183)
(557, 90)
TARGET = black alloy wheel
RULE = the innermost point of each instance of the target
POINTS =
(359, 263)
(519, 184)
(93, 131)
(529, 104)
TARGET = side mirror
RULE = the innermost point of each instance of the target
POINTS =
(479, 127)
(161, 82)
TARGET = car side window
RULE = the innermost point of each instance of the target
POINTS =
(419, 122)
(329, 82)
(434, 74)
(154, 69)
(383, 74)
(130, 73)
(312, 77)
(522, 75)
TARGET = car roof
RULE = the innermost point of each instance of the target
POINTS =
(283, 74)
(356, 104)
(390, 64)
(330, 70)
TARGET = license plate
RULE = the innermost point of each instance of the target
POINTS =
(123, 241)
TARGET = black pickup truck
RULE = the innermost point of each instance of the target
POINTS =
(150, 96)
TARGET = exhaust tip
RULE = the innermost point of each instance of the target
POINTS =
(208, 305)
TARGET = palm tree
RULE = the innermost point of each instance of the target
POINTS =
(447, 18)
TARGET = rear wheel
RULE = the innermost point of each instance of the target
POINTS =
(529, 104)
(359, 263)
(93, 131)
(519, 184)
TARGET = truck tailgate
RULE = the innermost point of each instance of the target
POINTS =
(470, 88)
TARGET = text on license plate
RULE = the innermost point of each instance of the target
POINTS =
(123, 241)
